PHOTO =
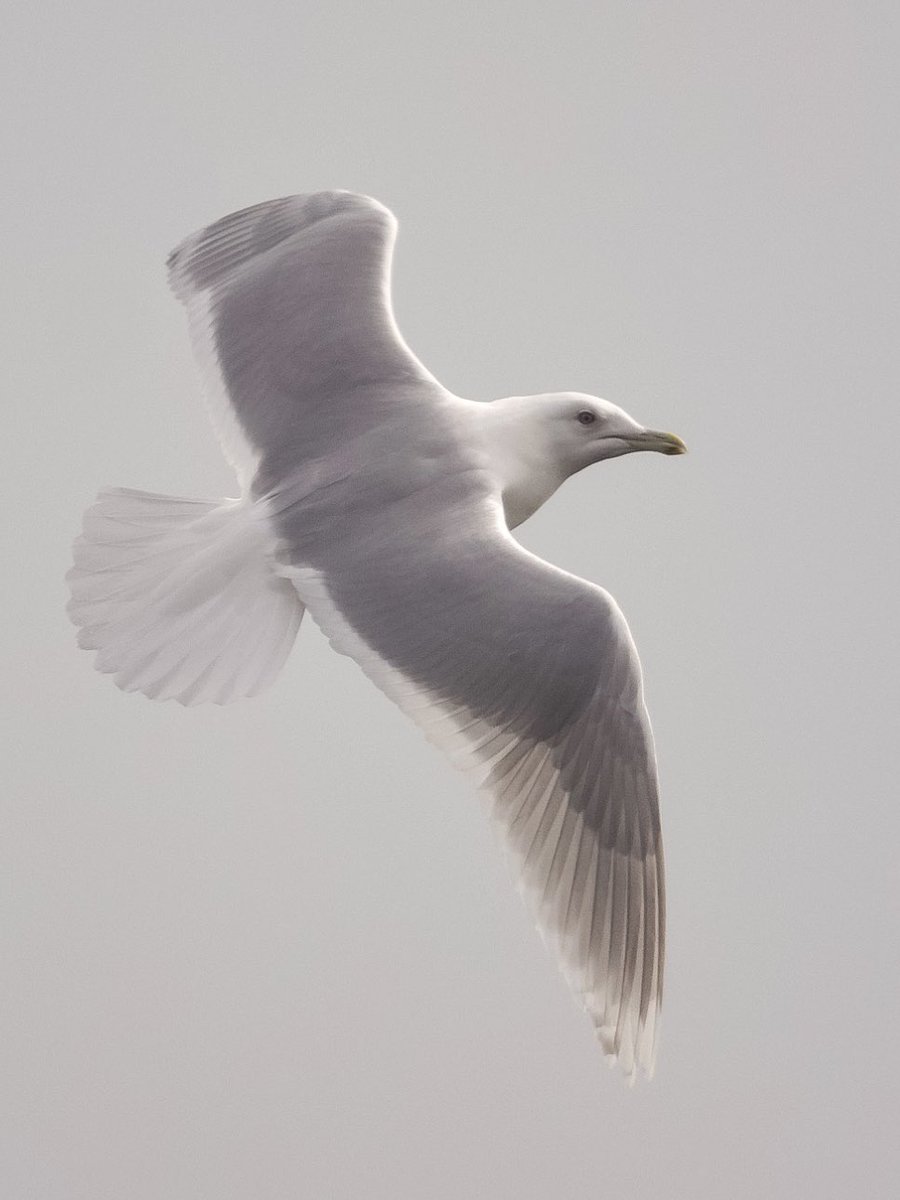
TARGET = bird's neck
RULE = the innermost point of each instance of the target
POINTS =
(518, 457)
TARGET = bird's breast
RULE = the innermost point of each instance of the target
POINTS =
(524, 492)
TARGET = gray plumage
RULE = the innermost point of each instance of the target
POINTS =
(383, 504)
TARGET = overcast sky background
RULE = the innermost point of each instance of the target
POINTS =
(271, 950)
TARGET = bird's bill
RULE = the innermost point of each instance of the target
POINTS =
(655, 439)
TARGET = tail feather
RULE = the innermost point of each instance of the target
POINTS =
(180, 597)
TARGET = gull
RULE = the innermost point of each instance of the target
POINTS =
(383, 504)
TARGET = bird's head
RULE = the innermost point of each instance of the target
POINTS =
(580, 430)
(536, 442)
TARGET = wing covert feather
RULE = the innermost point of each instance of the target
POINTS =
(528, 678)
(290, 316)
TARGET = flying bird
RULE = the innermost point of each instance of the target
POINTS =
(383, 504)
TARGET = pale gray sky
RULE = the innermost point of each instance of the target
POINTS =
(271, 951)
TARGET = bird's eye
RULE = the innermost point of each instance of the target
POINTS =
(586, 417)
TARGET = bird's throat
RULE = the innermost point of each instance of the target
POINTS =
(519, 461)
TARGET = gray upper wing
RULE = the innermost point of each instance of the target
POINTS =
(290, 315)
(529, 678)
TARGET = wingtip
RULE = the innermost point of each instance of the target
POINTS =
(634, 1055)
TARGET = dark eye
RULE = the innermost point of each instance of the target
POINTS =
(586, 417)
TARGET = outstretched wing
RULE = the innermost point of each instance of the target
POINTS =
(290, 316)
(529, 678)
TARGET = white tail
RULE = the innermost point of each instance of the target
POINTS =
(180, 598)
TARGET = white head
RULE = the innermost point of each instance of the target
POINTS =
(539, 441)
(577, 430)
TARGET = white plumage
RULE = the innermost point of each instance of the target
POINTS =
(383, 504)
